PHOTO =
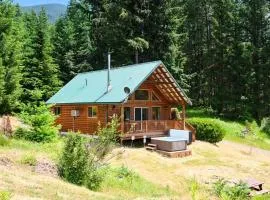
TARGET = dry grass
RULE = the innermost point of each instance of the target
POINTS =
(22, 184)
(226, 160)
(190, 176)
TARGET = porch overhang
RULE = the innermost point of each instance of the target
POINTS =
(169, 87)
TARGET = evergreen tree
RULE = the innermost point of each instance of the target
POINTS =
(72, 41)
(40, 73)
(10, 57)
(82, 26)
(256, 17)
(63, 40)
(140, 31)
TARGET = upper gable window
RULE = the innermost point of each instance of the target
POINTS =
(155, 97)
(142, 95)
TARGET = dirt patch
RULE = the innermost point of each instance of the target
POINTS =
(5, 161)
(46, 167)
(10, 123)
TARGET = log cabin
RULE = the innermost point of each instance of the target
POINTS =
(142, 95)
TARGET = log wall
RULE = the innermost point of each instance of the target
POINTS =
(84, 124)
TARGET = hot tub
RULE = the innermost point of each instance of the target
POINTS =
(170, 143)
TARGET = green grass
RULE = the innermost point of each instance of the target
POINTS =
(262, 197)
(233, 129)
(126, 184)
(29, 159)
(5, 195)
(4, 141)
(118, 182)
(50, 150)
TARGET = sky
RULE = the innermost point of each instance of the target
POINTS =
(38, 2)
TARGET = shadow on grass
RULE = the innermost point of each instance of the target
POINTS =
(138, 143)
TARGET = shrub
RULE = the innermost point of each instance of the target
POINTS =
(238, 191)
(207, 130)
(73, 162)
(265, 125)
(41, 122)
(4, 141)
(82, 158)
(29, 160)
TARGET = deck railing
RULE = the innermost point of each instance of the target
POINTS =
(154, 127)
(151, 126)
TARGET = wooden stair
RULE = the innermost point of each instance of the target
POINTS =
(151, 147)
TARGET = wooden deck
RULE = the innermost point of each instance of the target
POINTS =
(135, 136)
(153, 128)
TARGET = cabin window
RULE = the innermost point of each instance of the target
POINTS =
(156, 113)
(57, 110)
(127, 113)
(154, 97)
(141, 95)
(92, 111)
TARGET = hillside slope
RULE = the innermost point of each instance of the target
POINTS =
(233, 129)
(54, 11)
(208, 162)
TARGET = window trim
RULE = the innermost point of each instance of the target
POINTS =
(159, 112)
(92, 112)
(129, 113)
(60, 110)
(149, 93)
(148, 108)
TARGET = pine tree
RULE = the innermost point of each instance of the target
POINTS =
(139, 31)
(197, 48)
(256, 16)
(82, 26)
(10, 57)
(63, 40)
(72, 41)
(40, 73)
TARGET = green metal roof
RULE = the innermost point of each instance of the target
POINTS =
(91, 87)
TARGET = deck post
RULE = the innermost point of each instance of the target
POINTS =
(184, 116)
(122, 119)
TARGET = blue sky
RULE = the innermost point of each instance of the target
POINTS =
(37, 2)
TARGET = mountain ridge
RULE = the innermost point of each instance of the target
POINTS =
(53, 10)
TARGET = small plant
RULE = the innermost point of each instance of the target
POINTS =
(4, 195)
(225, 191)
(124, 172)
(194, 187)
(219, 186)
(265, 125)
(29, 159)
(4, 141)
(207, 130)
